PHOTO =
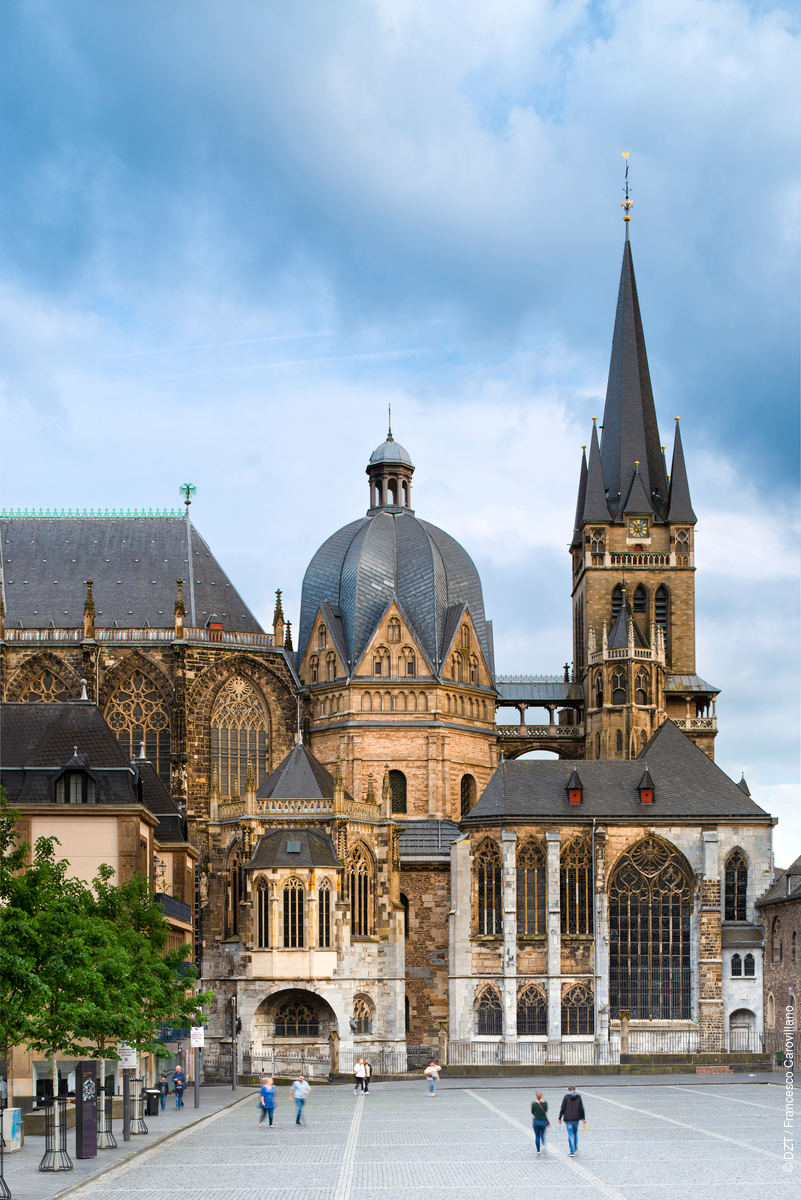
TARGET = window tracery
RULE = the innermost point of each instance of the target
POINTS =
(360, 893)
(137, 712)
(464, 640)
(641, 688)
(394, 629)
(235, 892)
(619, 687)
(407, 662)
(362, 1016)
(488, 889)
(578, 1012)
(489, 1013)
(735, 894)
(46, 688)
(532, 1011)
(531, 875)
(294, 914)
(650, 905)
(262, 915)
(314, 668)
(297, 1018)
(575, 885)
(238, 732)
(324, 915)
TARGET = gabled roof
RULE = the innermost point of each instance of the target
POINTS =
(637, 501)
(630, 430)
(618, 638)
(134, 563)
(333, 619)
(595, 505)
(687, 784)
(300, 776)
(276, 848)
(395, 603)
(778, 891)
(426, 840)
(681, 508)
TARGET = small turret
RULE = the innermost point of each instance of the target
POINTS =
(180, 611)
(89, 613)
(278, 620)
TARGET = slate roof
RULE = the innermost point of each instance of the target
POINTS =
(300, 776)
(40, 740)
(681, 508)
(392, 553)
(689, 683)
(544, 693)
(687, 784)
(595, 505)
(778, 891)
(390, 451)
(427, 839)
(134, 563)
(618, 638)
(630, 430)
(580, 500)
(316, 849)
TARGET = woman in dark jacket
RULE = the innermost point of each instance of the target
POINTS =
(539, 1114)
(573, 1111)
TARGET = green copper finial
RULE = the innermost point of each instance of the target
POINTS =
(187, 490)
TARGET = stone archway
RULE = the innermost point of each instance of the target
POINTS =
(293, 1019)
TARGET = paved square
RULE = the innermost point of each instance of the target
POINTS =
(474, 1141)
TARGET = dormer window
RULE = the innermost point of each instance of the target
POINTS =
(646, 788)
(574, 789)
(75, 787)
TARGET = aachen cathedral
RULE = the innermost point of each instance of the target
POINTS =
(377, 868)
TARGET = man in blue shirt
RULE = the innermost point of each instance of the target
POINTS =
(300, 1090)
(178, 1081)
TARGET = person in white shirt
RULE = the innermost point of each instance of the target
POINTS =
(360, 1074)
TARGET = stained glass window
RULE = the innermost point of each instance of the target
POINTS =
(238, 732)
(137, 712)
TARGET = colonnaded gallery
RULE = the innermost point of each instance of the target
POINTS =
(377, 867)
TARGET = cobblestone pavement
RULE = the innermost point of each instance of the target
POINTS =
(676, 1141)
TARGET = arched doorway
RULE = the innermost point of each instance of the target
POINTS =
(292, 1020)
(741, 1031)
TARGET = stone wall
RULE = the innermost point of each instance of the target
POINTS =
(427, 889)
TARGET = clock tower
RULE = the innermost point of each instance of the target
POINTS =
(634, 564)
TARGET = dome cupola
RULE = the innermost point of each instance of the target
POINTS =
(390, 470)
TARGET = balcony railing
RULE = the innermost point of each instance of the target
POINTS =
(539, 731)
(225, 636)
(695, 723)
(174, 908)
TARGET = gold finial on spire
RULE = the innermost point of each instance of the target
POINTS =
(627, 204)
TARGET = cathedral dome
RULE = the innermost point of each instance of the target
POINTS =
(392, 554)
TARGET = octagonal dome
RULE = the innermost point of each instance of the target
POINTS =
(390, 451)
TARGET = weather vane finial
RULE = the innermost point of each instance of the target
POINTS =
(627, 204)
(187, 490)
(389, 423)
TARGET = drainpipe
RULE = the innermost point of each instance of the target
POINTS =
(594, 941)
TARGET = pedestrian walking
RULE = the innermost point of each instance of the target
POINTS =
(432, 1072)
(573, 1111)
(300, 1090)
(164, 1091)
(267, 1100)
(359, 1077)
(368, 1070)
(539, 1120)
(178, 1083)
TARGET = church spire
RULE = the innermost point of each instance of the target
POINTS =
(630, 431)
(681, 508)
(595, 506)
(582, 495)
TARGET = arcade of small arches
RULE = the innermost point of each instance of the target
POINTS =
(390, 491)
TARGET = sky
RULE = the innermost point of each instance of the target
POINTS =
(232, 234)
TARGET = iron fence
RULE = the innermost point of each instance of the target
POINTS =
(105, 1100)
(138, 1102)
(55, 1157)
(279, 1062)
(383, 1062)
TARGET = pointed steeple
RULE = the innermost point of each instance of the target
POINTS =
(630, 431)
(582, 495)
(595, 506)
(681, 508)
(637, 501)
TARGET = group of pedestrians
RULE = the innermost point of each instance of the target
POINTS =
(178, 1085)
(572, 1111)
(299, 1089)
(361, 1075)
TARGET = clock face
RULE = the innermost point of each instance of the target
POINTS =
(638, 528)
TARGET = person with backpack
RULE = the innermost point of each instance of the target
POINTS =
(267, 1100)
(540, 1122)
(573, 1111)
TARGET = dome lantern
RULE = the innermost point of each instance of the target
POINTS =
(390, 471)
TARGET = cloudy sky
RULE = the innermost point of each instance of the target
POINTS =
(232, 233)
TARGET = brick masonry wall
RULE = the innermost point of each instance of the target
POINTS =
(782, 976)
(428, 892)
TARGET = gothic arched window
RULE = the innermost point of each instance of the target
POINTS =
(661, 608)
(641, 688)
(235, 891)
(599, 689)
(137, 712)
(262, 915)
(619, 687)
(394, 629)
(362, 1016)
(314, 669)
(617, 600)
(489, 1013)
(360, 893)
(238, 733)
(405, 906)
(640, 600)
(597, 541)
(324, 915)
(397, 784)
(735, 893)
(575, 886)
(578, 1013)
(474, 669)
(488, 880)
(619, 741)
(736, 965)
(650, 905)
(381, 662)
(532, 1011)
(407, 662)
(749, 964)
(464, 639)
(777, 950)
(322, 638)
(46, 687)
(297, 1018)
(530, 888)
(467, 791)
(294, 914)
(330, 668)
